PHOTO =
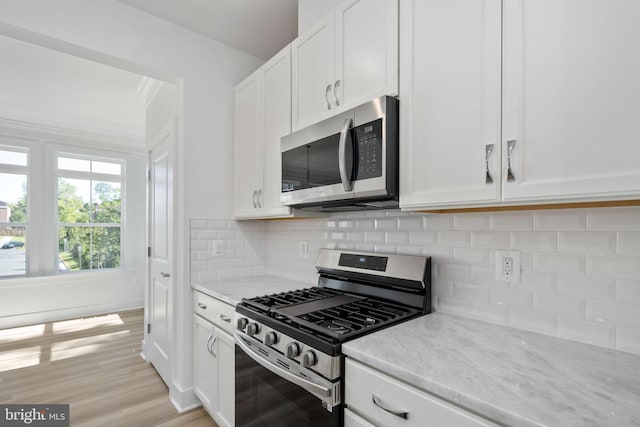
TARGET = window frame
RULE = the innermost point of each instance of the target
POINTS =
(91, 155)
(8, 168)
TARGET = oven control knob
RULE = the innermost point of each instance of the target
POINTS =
(252, 329)
(308, 359)
(293, 350)
(270, 338)
(242, 323)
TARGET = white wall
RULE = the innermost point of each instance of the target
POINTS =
(206, 72)
(311, 11)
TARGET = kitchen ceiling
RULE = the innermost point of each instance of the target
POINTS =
(258, 27)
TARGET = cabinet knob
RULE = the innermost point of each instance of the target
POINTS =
(326, 96)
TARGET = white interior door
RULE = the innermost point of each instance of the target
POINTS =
(160, 252)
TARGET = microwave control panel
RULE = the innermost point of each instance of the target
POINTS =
(369, 154)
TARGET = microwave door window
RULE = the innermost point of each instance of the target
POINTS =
(324, 161)
(295, 169)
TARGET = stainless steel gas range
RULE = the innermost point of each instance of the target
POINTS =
(289, 364)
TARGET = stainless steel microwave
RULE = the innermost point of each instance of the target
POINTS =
(346, 162)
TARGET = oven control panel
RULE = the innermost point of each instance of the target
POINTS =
(295, 351)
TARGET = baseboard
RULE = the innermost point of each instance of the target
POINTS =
(69, 313)
(183, 400)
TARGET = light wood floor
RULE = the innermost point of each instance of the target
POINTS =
(94, 365)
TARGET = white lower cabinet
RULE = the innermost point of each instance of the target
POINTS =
(214, 366)
(375, 399)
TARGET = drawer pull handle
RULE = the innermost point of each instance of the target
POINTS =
(487, 151)
(225, 318)
(510, 144)
(202, 306)
(401, 414)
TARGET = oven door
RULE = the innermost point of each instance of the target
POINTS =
(265, 397)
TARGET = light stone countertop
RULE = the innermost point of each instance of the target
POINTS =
(232, 291)
(510, 376)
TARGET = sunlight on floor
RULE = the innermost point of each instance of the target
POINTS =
(23, 333)
(82, 346)
(19, 358)
(85, 323)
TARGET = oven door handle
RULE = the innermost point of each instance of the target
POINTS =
(309, 386)
(342, 159)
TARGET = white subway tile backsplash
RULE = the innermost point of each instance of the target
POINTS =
(512, 221)
(471, 292)
(628, 339)
(426, 238)
(471, 256)
(614, 219)
(453, 238)
(533, 241)
(541, 323)
(629, 243)
(622, 266)
(559, 262)
(599, 243)
(580, 268)
(587, 332)
(397, 238)
(614, 313)
(560, 220)
(590, 287)
(628, 291)
(437, 222)
(510, 297)
(471, 222)
(490, 239)
(559, 304)
(386, 224)
(409, 223)
(374, 237)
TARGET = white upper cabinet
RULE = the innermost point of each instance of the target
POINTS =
(348, 58)
(248, 146)
(557, 99)
(263, 116)
(572, 99)
(450, 102)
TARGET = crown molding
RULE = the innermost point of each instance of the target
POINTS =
(53, 134)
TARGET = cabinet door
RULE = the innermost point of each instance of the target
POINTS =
(312, 74)
(204, 378)
(572, 99)
(366, 51)
(276, 89)
(450, 53)
(248, 146)
(225, 354)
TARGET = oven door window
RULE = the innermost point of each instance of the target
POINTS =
(265, 399)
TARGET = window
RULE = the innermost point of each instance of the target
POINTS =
(89, 213)
(14, 173)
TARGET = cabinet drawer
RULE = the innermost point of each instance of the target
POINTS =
(363, 383)
(217, 312)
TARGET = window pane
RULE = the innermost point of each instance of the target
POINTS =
(107, 202)
(70, 164)
(13, 158)
(106, 247)
(105, 167)
(74, 200)
(74, 247)
(13, 198)
(13, 259)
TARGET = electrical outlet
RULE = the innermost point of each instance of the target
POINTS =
(303, 249)
(508, 266)
(218, 247)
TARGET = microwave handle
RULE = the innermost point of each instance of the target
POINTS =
(342, 161)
